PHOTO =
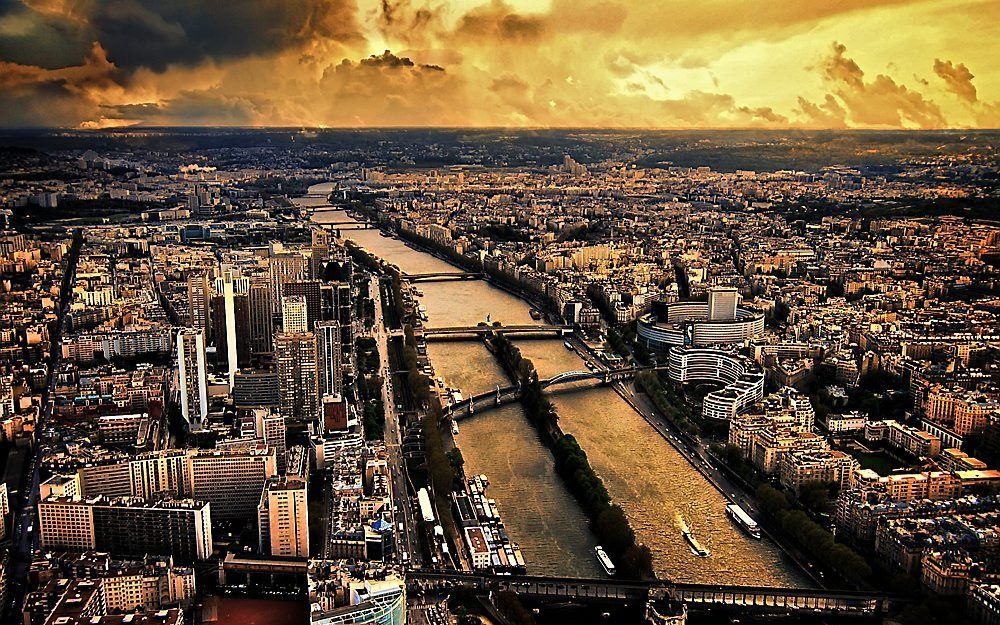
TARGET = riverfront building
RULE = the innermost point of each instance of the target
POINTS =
(718, 321)
(741, 377)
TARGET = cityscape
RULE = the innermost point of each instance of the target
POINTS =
(499, 312)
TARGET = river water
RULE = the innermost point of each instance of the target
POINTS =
(644, 474)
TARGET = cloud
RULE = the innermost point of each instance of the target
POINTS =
(158, 34)
(636, 63)
(498, 22)
(828, 114)
(30, 95)
(877, 103)
(957, 78)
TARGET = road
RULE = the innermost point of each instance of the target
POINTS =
(402, 508)
(24, 536)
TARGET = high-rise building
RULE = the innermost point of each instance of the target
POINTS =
(339, 597)
(283, 518)
(294, 314)
(160, 473)
(337, 306)
(199, 294)
(192, 377)
(261, 318)
(298, 378)
(311, 290)
(228, 295)
(722, 302)
(285, 267)
(330, 357)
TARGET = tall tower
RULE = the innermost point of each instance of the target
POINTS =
(229, 303)
(331, 364)
(192, 376)
(261, 319)
(298, 380)
(199, 301)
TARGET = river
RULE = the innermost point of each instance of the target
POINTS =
(652, 482)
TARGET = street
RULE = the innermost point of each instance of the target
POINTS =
(402, 510)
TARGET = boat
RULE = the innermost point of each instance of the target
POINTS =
(744, 520)
(692, 542)
(605, 561)
(454, 428)
(535, 314)
(567, 345)
(696, 547)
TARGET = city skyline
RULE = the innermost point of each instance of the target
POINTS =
(327, 63)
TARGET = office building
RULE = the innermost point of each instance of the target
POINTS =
(270, 428)
(311, 292)
(253, 388)
(259, 301)
(199, 296)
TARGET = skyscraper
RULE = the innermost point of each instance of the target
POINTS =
(298, 379)
(330, 357)
(199, 301)
(192, 376)
(270, 427)
(261, 318)
(285, 267)
(228, 301)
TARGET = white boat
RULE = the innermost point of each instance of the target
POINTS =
(454, 428)
(744, 520)
(605, 561)
(696, 547)
(567, 345)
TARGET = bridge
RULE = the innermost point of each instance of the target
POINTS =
(483, 330)
(349, 225)
(510, 394)
(437, 276)
(759, 599)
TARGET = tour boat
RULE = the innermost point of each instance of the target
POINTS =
(604, 561)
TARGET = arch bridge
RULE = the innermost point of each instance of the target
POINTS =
(501, 396)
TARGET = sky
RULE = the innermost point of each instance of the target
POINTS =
(509, 63)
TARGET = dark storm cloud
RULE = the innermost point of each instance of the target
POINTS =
(159, 33)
